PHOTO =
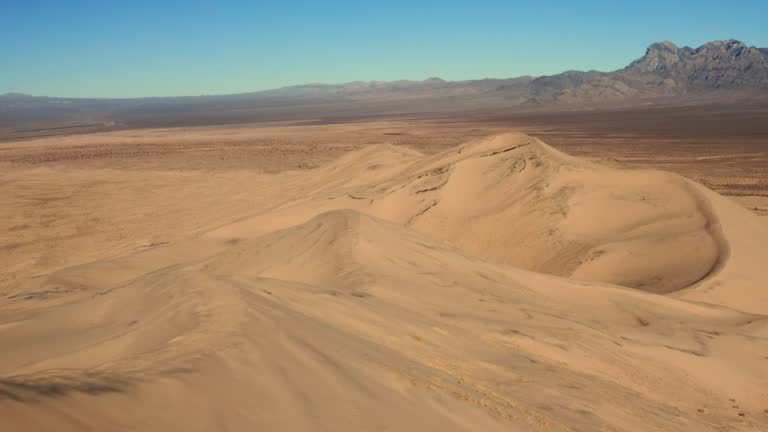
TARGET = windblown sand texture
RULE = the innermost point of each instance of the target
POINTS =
(499, 285)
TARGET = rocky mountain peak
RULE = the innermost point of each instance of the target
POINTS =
(665, 45)
(718, 64)
(729, 48)
(664, 70)
(659, 57)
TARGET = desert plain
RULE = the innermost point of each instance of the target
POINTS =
(553, 271)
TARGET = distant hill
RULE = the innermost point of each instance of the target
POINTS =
(429, 87)
(666, 72)
(14, 95)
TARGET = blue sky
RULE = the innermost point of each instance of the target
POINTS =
(162, 48)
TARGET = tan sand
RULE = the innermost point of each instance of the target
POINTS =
(499, 285)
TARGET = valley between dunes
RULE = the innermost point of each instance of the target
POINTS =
(497, 285)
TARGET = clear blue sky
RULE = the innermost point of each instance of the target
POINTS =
(159, 48)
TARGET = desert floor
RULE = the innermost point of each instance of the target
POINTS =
(384, 275)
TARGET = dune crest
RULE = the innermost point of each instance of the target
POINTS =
(501, 285)
(514, 200)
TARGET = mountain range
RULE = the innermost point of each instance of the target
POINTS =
(665, 71)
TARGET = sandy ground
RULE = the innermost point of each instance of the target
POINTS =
(373, 276)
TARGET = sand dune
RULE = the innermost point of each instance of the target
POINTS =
(514, 200)
(500, 285)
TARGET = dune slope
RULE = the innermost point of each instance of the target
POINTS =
(501, 285)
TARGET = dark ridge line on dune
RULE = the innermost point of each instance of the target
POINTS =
(434, 203)
(514, 169)
(19, 391)
(714, 228)
(505, 150)
(434, 188)
(440, 186)
(59, 383)
(391, 190)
